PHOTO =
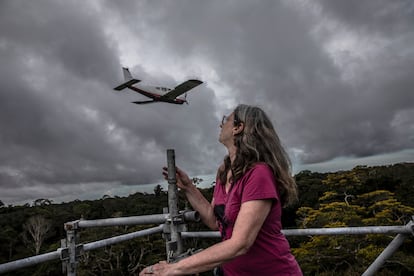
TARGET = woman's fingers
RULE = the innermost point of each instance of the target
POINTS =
(182, 178)
(177, 170)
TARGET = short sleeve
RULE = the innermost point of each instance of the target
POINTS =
(259, 183)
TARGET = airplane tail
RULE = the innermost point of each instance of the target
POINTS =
(127, 74)
(129, 80)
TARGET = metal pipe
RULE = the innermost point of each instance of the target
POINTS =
(10, 266)
(319, 231)
(202, 234)
(193, 216)
(71, 239)
(135, 220)
(385, 254)
(348, 231)
(174, 245)
(121, 238)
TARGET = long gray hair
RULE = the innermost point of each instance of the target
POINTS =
(259, 142)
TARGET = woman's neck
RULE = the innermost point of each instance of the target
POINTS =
(232, 153)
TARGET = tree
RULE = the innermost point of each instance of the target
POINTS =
(8, 238)
(37, 227)
(348, 201)
(158, 190)
(82, 210)
(197, 180)
(42, 202)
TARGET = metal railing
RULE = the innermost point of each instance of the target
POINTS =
(173, 225)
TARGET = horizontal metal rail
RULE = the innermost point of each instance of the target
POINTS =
(122, 238)
(149, 219)
(188, 216)
(406, 229)
(201, 234)
(22, 263)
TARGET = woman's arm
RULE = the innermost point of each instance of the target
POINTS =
(248, 224)
(202, 206)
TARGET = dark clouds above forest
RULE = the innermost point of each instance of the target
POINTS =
(335, 76)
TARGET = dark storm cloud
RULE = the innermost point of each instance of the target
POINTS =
(387, 17)
(43, 66)
(62, 34)
(364, 122)
(270, 55)
(62, 124)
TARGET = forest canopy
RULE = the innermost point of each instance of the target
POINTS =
(363, 196)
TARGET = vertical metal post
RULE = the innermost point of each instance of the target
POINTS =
(71, 239)
(174, 245)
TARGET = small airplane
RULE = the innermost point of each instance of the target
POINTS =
(152, 92)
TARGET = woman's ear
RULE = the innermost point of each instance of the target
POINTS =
(238, 129)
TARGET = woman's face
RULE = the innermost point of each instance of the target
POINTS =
(226, 133)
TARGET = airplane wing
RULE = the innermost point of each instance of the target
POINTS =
(144, 102)
(181, 89)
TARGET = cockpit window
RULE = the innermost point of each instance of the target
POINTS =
(162, 88)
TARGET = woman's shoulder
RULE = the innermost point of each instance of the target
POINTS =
(260, 166)
(258, 169)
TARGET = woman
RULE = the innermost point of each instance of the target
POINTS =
(253, 184)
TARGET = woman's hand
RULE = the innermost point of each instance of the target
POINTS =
(162, 268)
(183, 181)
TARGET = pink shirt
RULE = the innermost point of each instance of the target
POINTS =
(270, 254)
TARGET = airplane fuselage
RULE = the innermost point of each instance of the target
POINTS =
(151, 92)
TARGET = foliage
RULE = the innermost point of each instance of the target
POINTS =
(352, 198)
(158, 190)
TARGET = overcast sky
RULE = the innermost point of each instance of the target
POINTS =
(336, 77)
